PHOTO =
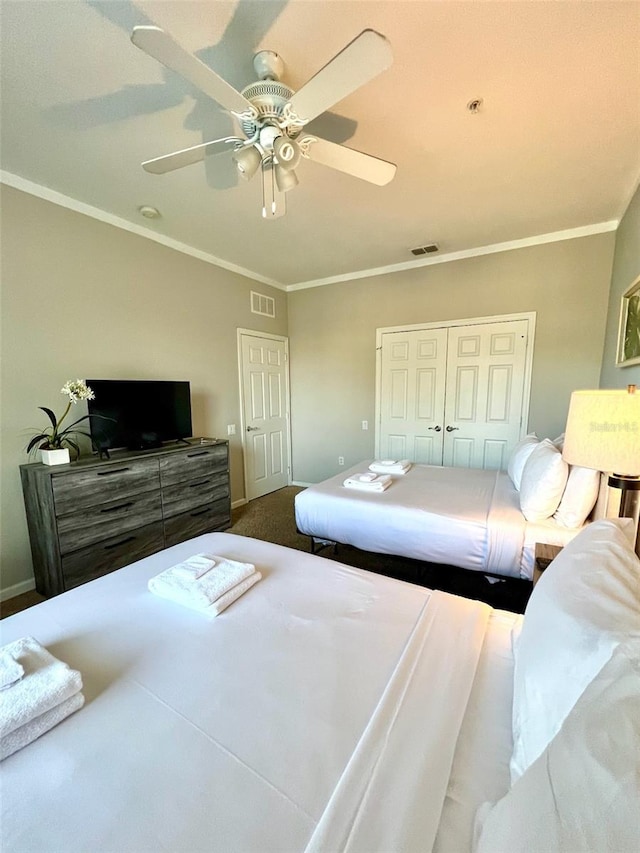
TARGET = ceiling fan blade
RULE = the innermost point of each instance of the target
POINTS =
(195, 154)
(159, 45)
(274, 202)
(348, 160)
(360, 61)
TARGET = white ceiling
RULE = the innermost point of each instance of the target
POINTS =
(555, 146)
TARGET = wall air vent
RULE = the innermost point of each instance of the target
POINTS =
(425, 250)
(261, 304)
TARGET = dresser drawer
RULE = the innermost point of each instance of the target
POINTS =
(197, 462)
(112, 554)
(97, 484)
(201, 490)
(215, 516)
(113, 518)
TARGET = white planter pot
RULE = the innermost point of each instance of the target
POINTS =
(55, 457)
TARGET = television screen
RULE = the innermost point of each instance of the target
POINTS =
(142, 413)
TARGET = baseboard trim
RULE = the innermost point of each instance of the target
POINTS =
(301, 483)
(241, 502)
(17, 589)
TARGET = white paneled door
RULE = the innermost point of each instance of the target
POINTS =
(265, 406)
(414, 367)
(454, 395)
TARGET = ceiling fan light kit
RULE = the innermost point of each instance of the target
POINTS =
(247, 161)
(272, 116)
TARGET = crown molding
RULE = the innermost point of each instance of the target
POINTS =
(554, 237)
(62, 200)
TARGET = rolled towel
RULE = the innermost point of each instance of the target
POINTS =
(24, 735)
(379, 484)
(47, 682)
(199, 594)
(387, 466)
(235, 592)
(10, 670)
(194, 567)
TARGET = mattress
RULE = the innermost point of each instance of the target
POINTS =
(257, 730)
(462, 517)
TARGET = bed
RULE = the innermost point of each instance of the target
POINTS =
(327, 709)
(470, 518)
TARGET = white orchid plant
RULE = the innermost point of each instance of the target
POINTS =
(55, 438)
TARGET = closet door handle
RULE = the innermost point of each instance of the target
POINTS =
(253, 429)
(452, 429)
(435, 428)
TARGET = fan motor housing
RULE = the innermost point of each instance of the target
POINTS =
(269, 98)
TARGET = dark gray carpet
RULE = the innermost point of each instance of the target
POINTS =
(272, 519)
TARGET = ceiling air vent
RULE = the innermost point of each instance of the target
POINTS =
(425, 250)
(261, 304)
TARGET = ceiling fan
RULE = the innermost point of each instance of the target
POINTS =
(272, 116)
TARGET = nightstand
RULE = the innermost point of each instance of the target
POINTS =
(543, 556)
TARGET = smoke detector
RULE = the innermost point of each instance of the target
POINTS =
(149, 212)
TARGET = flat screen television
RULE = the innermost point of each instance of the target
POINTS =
(142, 413)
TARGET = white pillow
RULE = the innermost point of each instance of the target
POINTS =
(544, 478)
(519, 456)
(579, 497)
(581, 794)
(585, 604)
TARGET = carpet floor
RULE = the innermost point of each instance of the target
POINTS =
(272, 518)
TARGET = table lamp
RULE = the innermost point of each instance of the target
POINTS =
(603, 432)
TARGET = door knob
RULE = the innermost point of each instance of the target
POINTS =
(452, 429)
(435, 428)
(253, 429)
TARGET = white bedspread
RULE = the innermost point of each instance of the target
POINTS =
(457, 516)
(405, 754)
(256, 731)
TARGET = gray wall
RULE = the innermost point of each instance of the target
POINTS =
(626, 269)
(332, 332)
(81, 298)
(84, 299)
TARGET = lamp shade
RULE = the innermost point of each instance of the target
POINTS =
(603, 431)
(247, 162)
(286, 180)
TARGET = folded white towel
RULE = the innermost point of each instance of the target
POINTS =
(10, 670)
(200, 593)
(235, 592)
(386, 466)
(46, 683)
(379, 484)
(38, 726)
(367, 477)
(194, 567)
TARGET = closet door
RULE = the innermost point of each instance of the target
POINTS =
(486, 371)
(413, 366)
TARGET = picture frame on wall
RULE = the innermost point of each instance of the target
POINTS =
(628, 352)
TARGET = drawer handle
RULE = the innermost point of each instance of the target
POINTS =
(200, 512)
(112, 471)
(199, 453)
(201, 483)
(116, 508)
(118, 544)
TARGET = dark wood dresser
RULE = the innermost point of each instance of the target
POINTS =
(90, 517)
